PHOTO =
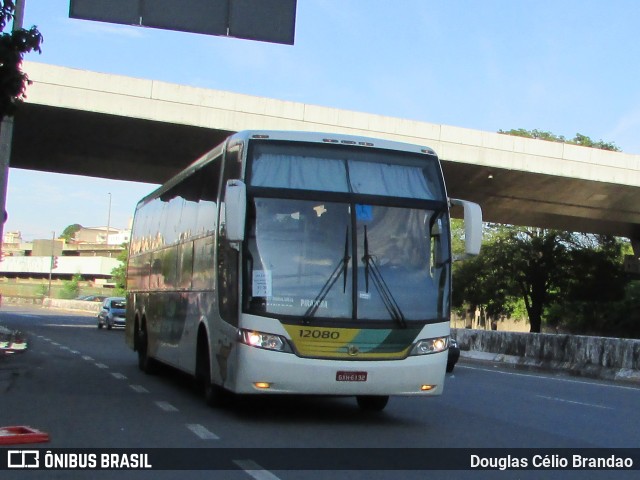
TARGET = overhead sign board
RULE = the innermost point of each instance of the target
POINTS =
(264, 20)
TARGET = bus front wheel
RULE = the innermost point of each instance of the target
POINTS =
(372, 403)
(214, 395)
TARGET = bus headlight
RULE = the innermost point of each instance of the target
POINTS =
(430, 345)
(268, 341)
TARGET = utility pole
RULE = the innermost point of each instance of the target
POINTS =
(6, 134)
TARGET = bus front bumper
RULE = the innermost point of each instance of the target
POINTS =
(264, 371)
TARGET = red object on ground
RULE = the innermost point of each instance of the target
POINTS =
(21, 434)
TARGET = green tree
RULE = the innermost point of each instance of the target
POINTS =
(564, 278)
(71, 288)
(70, 231)
(595, 291)
(578, 139)
(119, 273)
(538, 261)
(13, 47)
(514, 262)
(482, 282)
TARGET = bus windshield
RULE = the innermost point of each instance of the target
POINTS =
(304, 261)
(318, 260)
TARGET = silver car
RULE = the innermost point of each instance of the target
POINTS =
(112, 312)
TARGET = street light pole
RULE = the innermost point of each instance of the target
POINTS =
(108, 220)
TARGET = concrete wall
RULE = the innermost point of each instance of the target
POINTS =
(77, 305)
(598, 357)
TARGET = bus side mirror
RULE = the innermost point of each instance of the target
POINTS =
(472, 226)
(235, 209)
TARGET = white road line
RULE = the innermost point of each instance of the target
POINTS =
(55, 344)
(101, 365)
(556, 399)
(139, 389)
(166, 406)
(87, 358)
(256, 471)
(70, 326)
(75, 352)
(118, 376)
(202, 432)
(545, 377)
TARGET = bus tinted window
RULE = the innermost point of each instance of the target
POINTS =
(366, 171)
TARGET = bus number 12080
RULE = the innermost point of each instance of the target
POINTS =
(320, 334)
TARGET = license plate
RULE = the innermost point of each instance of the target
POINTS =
(351, 376)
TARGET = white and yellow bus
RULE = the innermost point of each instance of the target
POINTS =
(298, 263)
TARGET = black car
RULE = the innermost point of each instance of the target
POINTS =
(92, 298)
(454, 354)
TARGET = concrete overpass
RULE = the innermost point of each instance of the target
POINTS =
(103, 125)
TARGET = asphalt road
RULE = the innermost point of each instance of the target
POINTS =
(82, 386)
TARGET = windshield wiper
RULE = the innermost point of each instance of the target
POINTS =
(341, 268)
(371, 268)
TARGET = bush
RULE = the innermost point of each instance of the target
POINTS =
(71, 288)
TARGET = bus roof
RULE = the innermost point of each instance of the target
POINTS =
(333, 138)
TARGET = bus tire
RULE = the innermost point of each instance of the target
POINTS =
(145, 363)
(372, 403)
(214, 395)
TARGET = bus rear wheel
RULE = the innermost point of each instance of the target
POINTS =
(145, 363)
(372, 403)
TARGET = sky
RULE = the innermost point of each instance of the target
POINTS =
(564, 66)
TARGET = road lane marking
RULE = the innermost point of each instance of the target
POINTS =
(87, 358)
(75, 352)
(556, 399)
(254, 470)
(139, 389)
(166, 406)
(72, 326)
(118, 376)
(101, 365)
(202, 432)
(549, 377)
